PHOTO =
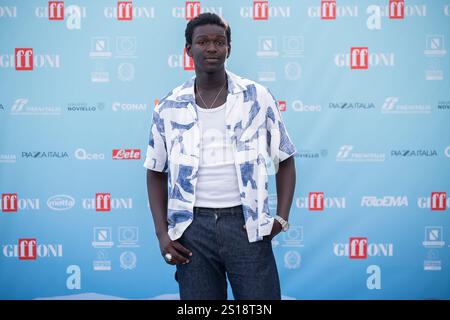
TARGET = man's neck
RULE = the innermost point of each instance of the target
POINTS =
(210, 81)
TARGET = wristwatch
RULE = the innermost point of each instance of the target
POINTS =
(284, 223)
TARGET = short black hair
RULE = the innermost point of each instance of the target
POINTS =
(203, 19)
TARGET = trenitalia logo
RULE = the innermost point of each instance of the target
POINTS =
(316, 201)
(359, 248)
(386, 201)
(126, 154)
(21, 108)
(8, 12)
(126, 11)
(391, 106)
(360, 58)
(103, 203)
(61, 202)
(29, 249)
(11, 203)
(193, 9)
(328, 10)
(262, 11)
(437, 202)
(346, 153)
(24, 59)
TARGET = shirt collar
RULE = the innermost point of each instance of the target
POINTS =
(186, 93)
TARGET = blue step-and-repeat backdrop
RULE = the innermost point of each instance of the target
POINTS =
(363, 88)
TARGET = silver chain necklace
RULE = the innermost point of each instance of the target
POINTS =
(214, 98)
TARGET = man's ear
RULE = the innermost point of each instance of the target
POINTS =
(229, 51)
(188, 49)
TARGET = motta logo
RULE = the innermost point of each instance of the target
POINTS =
(359, 248)
(126, 154)
(104, 203)
(61, 202)
(192, 9)
(396, 9)
(24, 59)
(328, 10)
(11, 203)
(29, 249)
(260, 10)
(124, 10)
(359, 57)
(56, 10)
(188, 62)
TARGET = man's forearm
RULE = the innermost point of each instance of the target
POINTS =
(157, 196)
(285, 180)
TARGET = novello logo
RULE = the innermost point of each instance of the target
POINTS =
(396, 9)
(56, 10)
(29, 249)
(359, 248)
(316, 201)
(192, 9)
(359, 57)
(126, 154)
(260, 10)
(24, 59)
(9, 202)
(124, 10)
(61, 202)
(328, 9)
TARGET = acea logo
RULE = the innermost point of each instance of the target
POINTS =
(61, 202)
(30, 249)
(360, 248)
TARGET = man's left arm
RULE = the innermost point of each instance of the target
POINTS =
(282, 151)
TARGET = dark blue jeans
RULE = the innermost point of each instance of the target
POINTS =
(220, 248)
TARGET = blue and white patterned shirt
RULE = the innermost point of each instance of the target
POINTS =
(259, 140)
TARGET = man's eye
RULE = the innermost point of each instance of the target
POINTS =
(220, 43)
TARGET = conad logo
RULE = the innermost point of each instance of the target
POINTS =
(61, 202)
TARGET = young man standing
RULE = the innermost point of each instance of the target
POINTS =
(213, 142)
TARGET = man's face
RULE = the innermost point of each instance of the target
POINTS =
(209, 48)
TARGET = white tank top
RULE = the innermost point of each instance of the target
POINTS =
(217, 184)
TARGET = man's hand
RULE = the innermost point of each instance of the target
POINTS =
(180, 255)
(276, 229)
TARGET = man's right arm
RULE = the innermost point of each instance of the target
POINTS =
(157, 196)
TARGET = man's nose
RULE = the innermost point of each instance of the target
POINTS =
(211, 47)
